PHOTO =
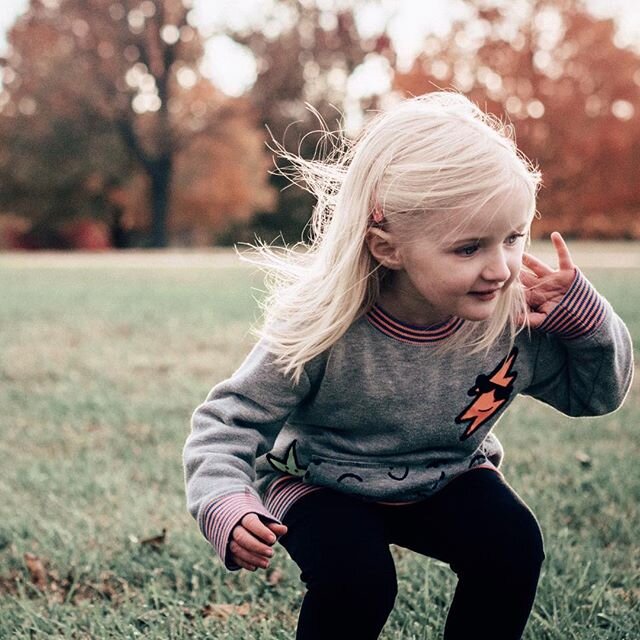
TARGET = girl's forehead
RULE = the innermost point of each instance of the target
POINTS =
(499, 215)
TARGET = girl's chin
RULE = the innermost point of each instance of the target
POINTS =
(477, 315)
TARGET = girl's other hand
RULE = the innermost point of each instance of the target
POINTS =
(544, 286)
(251, 542)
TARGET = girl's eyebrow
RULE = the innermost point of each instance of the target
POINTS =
(520, 229)
(465, 240)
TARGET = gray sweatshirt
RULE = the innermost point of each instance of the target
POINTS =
(385, 415)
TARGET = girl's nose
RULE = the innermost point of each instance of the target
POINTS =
(497, 269)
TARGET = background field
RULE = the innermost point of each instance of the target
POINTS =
(103, 359)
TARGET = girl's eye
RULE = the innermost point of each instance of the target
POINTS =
(468, 250)
(512, 239)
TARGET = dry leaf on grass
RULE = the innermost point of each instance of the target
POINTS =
(224, 611)
(37, 572)
(155, 541)
(188, 613)
(583, 458)
(9, 584)
(59, 589)
(632, 596)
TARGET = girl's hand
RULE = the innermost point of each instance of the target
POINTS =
(251, 542)
(544, 286)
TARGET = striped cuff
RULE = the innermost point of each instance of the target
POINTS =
(578, 314)
(221, 515)
(284, 492)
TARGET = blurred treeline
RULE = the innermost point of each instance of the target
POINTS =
(111, 136)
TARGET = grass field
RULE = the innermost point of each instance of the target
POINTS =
(100, 368)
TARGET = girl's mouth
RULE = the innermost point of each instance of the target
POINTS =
(489, 294)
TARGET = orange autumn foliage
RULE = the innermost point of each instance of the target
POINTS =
(573, 97)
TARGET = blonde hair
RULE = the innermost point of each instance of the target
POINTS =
(432, 155)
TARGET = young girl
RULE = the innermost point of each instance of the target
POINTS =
(364, 416)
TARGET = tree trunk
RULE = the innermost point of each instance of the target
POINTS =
(118, 233)
(160, 172)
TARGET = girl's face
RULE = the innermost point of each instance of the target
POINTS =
(463, 273)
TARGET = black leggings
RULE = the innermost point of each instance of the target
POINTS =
(477, 524)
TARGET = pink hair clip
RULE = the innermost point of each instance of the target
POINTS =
(377, 215)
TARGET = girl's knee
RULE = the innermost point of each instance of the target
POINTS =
(370, 582)
(520, 543)
(528, 532)
(509, 541)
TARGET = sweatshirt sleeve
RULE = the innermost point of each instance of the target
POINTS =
(237, 423)
(584, 363)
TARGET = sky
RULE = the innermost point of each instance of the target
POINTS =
(413, 19)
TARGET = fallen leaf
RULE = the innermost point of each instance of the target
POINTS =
(36, 570)
(583, 458)
(155, 541)
(9, 584)
(188, 613)
(224, 611)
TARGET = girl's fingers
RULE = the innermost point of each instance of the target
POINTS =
(252, 523)
(248, 541)
(535, 319)
(538, 267)
(244, 565)
(564, 256)
(278, 529)
(248, 557)
(527, 279)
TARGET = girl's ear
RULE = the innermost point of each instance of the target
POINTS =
(384, 248)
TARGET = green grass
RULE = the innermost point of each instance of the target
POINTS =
(100, 369)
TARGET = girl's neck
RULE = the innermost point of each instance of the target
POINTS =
(411, 311)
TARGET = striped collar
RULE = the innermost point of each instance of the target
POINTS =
(412, 334)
